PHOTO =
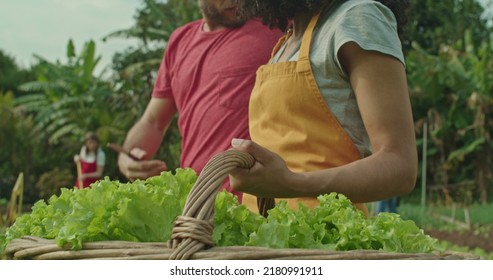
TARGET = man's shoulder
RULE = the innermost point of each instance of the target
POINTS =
(188, 27)
(260, 30)
(184, 33)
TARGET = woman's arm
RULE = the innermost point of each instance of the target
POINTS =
(380, 85)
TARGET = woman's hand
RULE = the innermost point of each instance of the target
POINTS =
(269, 176)
(142, 169)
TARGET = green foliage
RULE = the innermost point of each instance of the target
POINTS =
(3, 243)
(109, 210)
(156, 20)
(12, 75)
(57, 103)
(452, 92)
(233, 221)
(479, 214)
(67, 100)
(448, 47)
(146, 210)
(447, 246)
(16, 141)
(423, 219)
(52, 181)
(334, 224)
(64, 102)
(435, 23)
(449, 62)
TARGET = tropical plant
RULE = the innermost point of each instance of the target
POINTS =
(43, 123)
(452, 91)
(19, 145)
(12, 75)
(67, 100)
(435, 23)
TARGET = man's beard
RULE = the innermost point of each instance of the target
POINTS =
(247, 9)
(213, 14)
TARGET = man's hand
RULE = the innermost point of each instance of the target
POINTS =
(139, 169)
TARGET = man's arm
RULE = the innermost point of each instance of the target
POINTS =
(144, 139)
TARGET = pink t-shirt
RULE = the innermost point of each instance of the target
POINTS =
(210, 76)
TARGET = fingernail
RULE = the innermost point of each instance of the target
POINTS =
(236, 142)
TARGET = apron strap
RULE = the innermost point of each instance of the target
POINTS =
(306, 41)
(307, 37)
(303, 64)
(281, 42)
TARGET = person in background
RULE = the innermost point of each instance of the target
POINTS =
(206, 77)
(387, 205)
(331, 111)
(90, 161)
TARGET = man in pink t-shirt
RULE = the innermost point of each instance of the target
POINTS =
(206, 76)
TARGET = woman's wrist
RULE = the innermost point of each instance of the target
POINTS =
(305, 184)
(296, 184)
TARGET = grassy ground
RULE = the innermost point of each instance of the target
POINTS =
(429, 217)
(449, 225)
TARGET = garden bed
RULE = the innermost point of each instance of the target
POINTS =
(467, 238)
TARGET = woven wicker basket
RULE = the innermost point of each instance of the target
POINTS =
(192, 233)
(37, 248)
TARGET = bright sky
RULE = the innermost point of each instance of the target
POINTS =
(488, 13)
(44, 27)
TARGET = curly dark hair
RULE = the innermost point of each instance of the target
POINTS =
(277, 13)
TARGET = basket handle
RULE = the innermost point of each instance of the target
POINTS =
(192, 230)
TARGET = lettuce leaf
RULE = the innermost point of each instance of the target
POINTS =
(141, 211)
(335, 224)
(145, 210)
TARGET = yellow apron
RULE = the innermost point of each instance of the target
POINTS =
(288, 115)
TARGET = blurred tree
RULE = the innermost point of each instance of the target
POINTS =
(57, 103)
(11, 74)
(446, 44)
(18, 148)
(435, 23)
(67, 100)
